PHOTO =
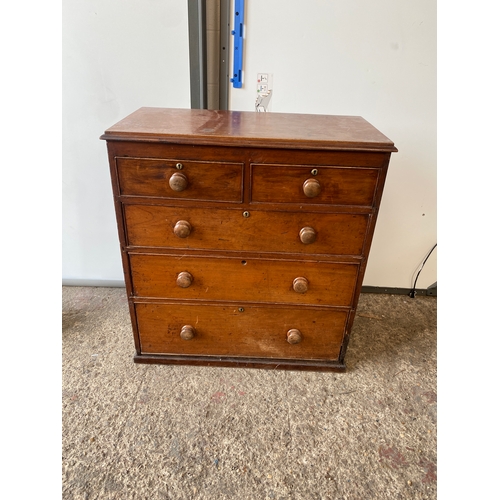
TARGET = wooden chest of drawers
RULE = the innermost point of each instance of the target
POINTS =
(245, 236)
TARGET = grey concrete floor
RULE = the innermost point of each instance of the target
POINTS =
(155, 432)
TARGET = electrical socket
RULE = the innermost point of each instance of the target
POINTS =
(264, 92)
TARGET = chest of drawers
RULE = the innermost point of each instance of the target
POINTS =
(245, 236)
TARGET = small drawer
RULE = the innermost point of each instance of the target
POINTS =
(236, 279)
(314, 185)
(252, 230)
(184, 180)
(233, 330)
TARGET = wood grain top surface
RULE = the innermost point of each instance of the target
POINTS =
(246, 128)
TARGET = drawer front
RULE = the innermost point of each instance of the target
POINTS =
(252, 280)
(328, 186)
(226, 331)
(208, 181)
(220, 229)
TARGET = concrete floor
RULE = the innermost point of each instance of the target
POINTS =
(155, 432)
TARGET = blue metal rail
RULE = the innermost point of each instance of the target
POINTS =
(237, 79)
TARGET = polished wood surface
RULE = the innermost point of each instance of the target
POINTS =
(261, 231)
(236, 128)
(223, 330)
(245, 236)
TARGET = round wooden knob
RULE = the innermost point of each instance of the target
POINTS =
(311, 188)
(184, 279)
(300, 285)
(307, 235)
(293, 336)
(178, 181)
(182, 229)
(187, 332)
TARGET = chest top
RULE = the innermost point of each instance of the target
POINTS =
(244, 128)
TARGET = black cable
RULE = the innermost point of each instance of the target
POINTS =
(413, 291)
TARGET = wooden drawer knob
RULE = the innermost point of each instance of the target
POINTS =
(307, 235)
(300, 285)
(311, 188)
(182, 229)
(178, 181)
(184, 279)
(293, 336)
(187, 332)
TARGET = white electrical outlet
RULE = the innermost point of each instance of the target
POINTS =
(264, 92)
(262, 77)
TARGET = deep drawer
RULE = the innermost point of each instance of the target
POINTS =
(221, 229)
(208, 181)
(252, 280)
(324, 185)
(226, 331)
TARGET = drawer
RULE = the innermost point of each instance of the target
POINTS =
(252, 280)
(226, 331)
(221, 229)
(196, 180)
(323, 185)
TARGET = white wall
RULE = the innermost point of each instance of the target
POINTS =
(356, 57)
(372, 59)
(118, 55)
